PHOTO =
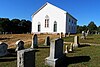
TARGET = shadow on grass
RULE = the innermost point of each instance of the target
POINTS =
(84, 45)
(4, 38)
(7, 59)
(72, 60)
(89, 38)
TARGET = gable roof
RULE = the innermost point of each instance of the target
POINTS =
(43, 7)
(54, 6)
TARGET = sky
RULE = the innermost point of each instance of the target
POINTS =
(84, 11)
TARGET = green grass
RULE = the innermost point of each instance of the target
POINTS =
(91, 51)
(86, 56)
(94, 39)
(80, 55)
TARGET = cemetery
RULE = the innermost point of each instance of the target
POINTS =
(19, 50)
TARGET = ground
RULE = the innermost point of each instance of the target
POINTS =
(84, 56)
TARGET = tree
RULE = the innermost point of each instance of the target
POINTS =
(92, 27)
(4, 24)
(14, 25)
(81, 28)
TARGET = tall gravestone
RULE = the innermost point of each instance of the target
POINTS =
(68, 34)
(20, 45)
(26, 58)
(3, 49)
(76, 41)
(67, 49)
(61, 35)
(47, 41)
(83, 35)
(56, 52)
(34, 41)
(71, 47)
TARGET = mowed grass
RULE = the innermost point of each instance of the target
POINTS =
(94, 39)
(85, 56)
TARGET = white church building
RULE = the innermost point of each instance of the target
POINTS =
(51, 19)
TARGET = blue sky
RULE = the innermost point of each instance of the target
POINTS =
(84, 10)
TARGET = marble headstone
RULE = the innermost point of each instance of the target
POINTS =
(68, 34)
(71, 47)
(3, 49)
(47, 41)
(56, 52)
(83, 35)
(34, 41)
(61, 35)
(26, 58)
(67, 49)
(76, 41)
(20, 45)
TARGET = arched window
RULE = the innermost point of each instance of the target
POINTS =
(46, 21)
(55, 26)
(39, 27)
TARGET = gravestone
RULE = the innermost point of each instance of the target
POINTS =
(96, 32)
(20, 45)
(3, 49)
(76, 41)
(68, 34)
(83, 35)
(34, 41)
(47, 41)
(66, 51)
(61, 35)
(26, 58)
(56, 52)
(71, 47)
(88, 32)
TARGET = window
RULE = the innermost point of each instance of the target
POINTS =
(72, 21)
(75, 23)
(55, 26)
(69, 19)
(39, 27)
(46, 21)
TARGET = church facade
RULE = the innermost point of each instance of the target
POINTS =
(51, 19)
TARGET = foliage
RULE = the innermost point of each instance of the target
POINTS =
(15, 25)
(81, 28)
(91, 27)
(92, 39)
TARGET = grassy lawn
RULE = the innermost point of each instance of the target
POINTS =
(94, 39)
(85, 56)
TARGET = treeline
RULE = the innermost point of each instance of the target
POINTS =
(15, 26)
(91, 27)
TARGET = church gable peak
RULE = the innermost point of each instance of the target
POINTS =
(47, 3)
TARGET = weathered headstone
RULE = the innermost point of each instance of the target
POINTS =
(83, 35)
(3, 49)
(56, 52)
(34, 41)
(26, 58)
(61, 35)
(47, 41)
(76, 41)
(68, 34)
(20, 45)
(88, 32)
(96, 32)
(71, 47)
(67, 49)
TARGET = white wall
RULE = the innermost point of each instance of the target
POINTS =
(55, 14)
